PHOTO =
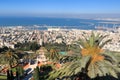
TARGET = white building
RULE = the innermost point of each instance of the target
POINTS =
(53, 29)
(41, 55)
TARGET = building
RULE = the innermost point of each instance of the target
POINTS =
(53, 29)
(41, 55)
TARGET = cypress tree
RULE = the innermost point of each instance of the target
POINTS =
(36, 74)
(19, 72)
(17, 75)
(8, 75)
(12, 77)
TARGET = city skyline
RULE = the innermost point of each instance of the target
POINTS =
(60, 8)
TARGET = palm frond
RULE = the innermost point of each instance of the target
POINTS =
(105, 42)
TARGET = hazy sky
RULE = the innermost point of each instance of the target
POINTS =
(62, 8)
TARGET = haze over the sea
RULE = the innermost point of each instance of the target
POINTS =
(60, 8)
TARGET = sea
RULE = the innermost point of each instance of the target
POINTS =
(67, 23)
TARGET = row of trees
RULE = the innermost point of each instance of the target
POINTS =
(58, 47)
(10, 75)
(27, 46)
(19, 73)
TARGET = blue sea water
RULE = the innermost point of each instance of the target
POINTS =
(62, 22)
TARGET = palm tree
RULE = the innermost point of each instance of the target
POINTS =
(10, 58)
(93, 62)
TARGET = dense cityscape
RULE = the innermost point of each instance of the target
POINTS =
(10, 36)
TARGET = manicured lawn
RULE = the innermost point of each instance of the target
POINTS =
(3, 77)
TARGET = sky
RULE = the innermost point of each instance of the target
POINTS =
(59, 8)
